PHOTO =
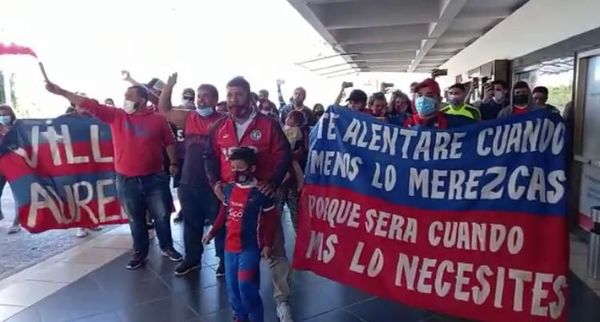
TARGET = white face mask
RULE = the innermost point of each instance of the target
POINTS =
(129, 106)
(204, 111)
(498, 96)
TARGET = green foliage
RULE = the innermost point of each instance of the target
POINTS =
(559, 96)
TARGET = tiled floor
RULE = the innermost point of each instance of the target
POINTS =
(153, 294)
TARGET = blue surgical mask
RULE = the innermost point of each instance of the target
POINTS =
(425, 105)
(204, 111)
(5, 120)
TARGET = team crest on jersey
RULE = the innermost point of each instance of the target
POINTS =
(255, 135)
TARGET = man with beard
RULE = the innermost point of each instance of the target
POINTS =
(246, 128)
(298, 105)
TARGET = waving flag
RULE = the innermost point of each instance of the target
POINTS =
(469, 222)
(14, 49)
(61, 173)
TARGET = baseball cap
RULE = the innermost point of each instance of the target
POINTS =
(431, 83)
(358, 96)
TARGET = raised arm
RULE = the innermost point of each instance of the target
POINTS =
(338, 99)
(165, 107)
(77, 100)
(127, 77)
(282, 102)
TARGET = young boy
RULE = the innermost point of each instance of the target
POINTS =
(250, 218)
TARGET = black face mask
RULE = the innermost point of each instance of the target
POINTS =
(242, 176)
(521, 99)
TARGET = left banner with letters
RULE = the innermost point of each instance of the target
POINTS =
(61, 173)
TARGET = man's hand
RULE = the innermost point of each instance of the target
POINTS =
(280, 82)
(267, 189)
(54, 89)
(266, 252)
(206, 239)
(172, 80)
(218, 190)
(488, 93)
(173, 168)
(126, 75)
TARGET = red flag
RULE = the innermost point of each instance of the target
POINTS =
(14, 49)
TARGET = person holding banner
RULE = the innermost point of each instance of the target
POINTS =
(198, 202)
(246, 127)
(7, 119)
(139, 136)
(427, 105)
(521, 101)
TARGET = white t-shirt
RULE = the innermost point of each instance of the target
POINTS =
(240, 128)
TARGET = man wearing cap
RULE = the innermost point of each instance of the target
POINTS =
(427, 106)
(139, 136)
(357, 101)
(187, 103)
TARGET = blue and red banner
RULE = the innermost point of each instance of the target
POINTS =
(470, 222)
(61, 173)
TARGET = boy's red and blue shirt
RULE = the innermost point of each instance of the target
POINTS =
(250, 218)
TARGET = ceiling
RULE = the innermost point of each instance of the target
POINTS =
(402, 35)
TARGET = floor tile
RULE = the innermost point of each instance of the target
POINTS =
(220, 316)
(7, 311)
(335, 316)
(206, 301)
(195, 280)
(78, 300)
(114, 241)
(383, 310)
(167, 310)
(93, 256)
(584, 304)
(26, 293)
(62, 272)
(107, 317)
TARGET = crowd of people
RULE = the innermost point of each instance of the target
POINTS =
(238, 162)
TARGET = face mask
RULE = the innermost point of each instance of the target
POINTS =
(455, 100)
(521, 99)
(204, 111)
(5, 120)
(129, 106)
(425, 105)
(242, 176)
(239, 111)
(498, 96)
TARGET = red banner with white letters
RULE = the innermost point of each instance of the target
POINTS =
(455, 222)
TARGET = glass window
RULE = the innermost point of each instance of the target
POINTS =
(591, 148)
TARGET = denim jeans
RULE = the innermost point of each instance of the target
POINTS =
(197, 203)
(139, 195)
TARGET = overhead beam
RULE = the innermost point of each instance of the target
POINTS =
(349, 15)
(448, 11)
(385, 47)
(380, 34)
